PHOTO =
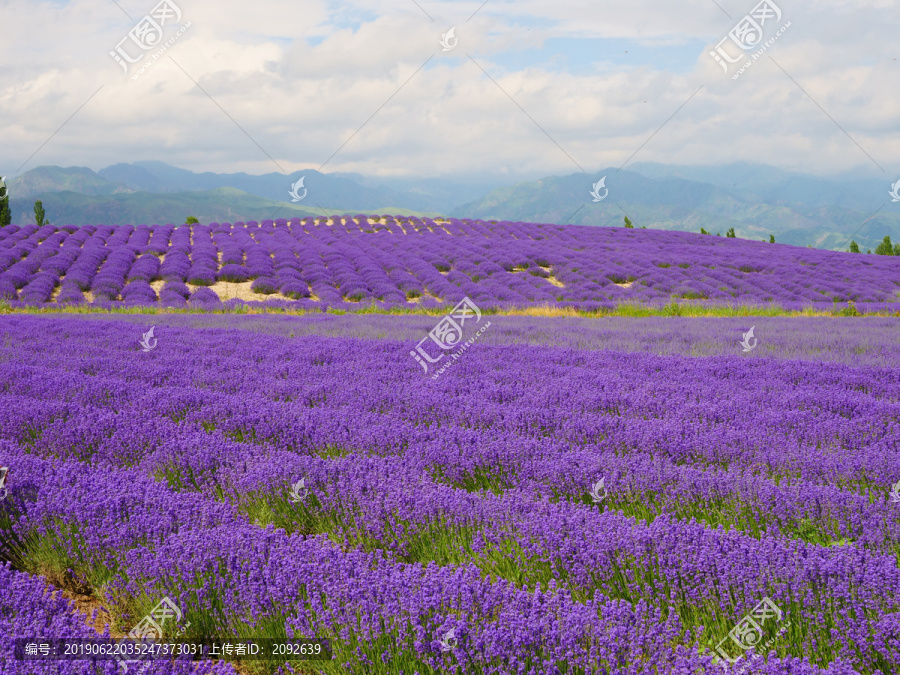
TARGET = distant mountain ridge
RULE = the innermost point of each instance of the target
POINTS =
(755, 200)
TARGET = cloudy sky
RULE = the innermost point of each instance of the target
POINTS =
(522, 89)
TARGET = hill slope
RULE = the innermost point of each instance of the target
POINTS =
(407, 261)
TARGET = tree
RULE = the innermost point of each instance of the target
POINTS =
(730, 234)
(702, 231)
(885, 247)
(4, 204)
(39, 213)
(628, 223)
(771, 238)
(854, 247)
(191, 221)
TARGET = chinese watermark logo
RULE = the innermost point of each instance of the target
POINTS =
(147, 35)
(5, 191)
(748, 34)
(448, 640)
(151, 627)
(894, 193)
(295, 197)
(595, 491)
(448, 40)
(448, 335)
(745, 343)
(299, 491)
(4, 472)
(595, 193)
(749, 631)
(146, 338)
(895, 493)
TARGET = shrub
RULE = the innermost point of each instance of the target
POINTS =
(139, 290)
(171, 299)
(233, 273)
(264, 286)
(70, 294)
(204, 296)
(176, 288)
(295, 290)
(201, 278)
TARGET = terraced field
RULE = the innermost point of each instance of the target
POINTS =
(315, 264)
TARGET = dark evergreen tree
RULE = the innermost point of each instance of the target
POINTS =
(730, 234)
(5, 218)
(854, 247)
(39, 214)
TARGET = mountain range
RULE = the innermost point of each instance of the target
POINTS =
(756, 200)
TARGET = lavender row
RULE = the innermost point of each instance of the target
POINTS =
(397, 262)
(221, 575)
(251, 569)
(805, 416)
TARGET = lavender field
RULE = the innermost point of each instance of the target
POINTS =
(315, 264)
(639, 496)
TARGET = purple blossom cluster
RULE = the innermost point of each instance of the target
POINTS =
(400, 261)
(30, 609)
(466, 504)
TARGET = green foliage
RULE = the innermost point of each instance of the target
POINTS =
(730, 234)
(849, 310)
(885, 247)
(39, 214)
(191, 221)
(854, 247)
(5, 218)
(702, 231)
(771, 238)
(628, 224)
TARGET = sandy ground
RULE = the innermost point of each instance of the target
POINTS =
(227, 290)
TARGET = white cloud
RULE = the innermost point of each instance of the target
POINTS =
(301, 102)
